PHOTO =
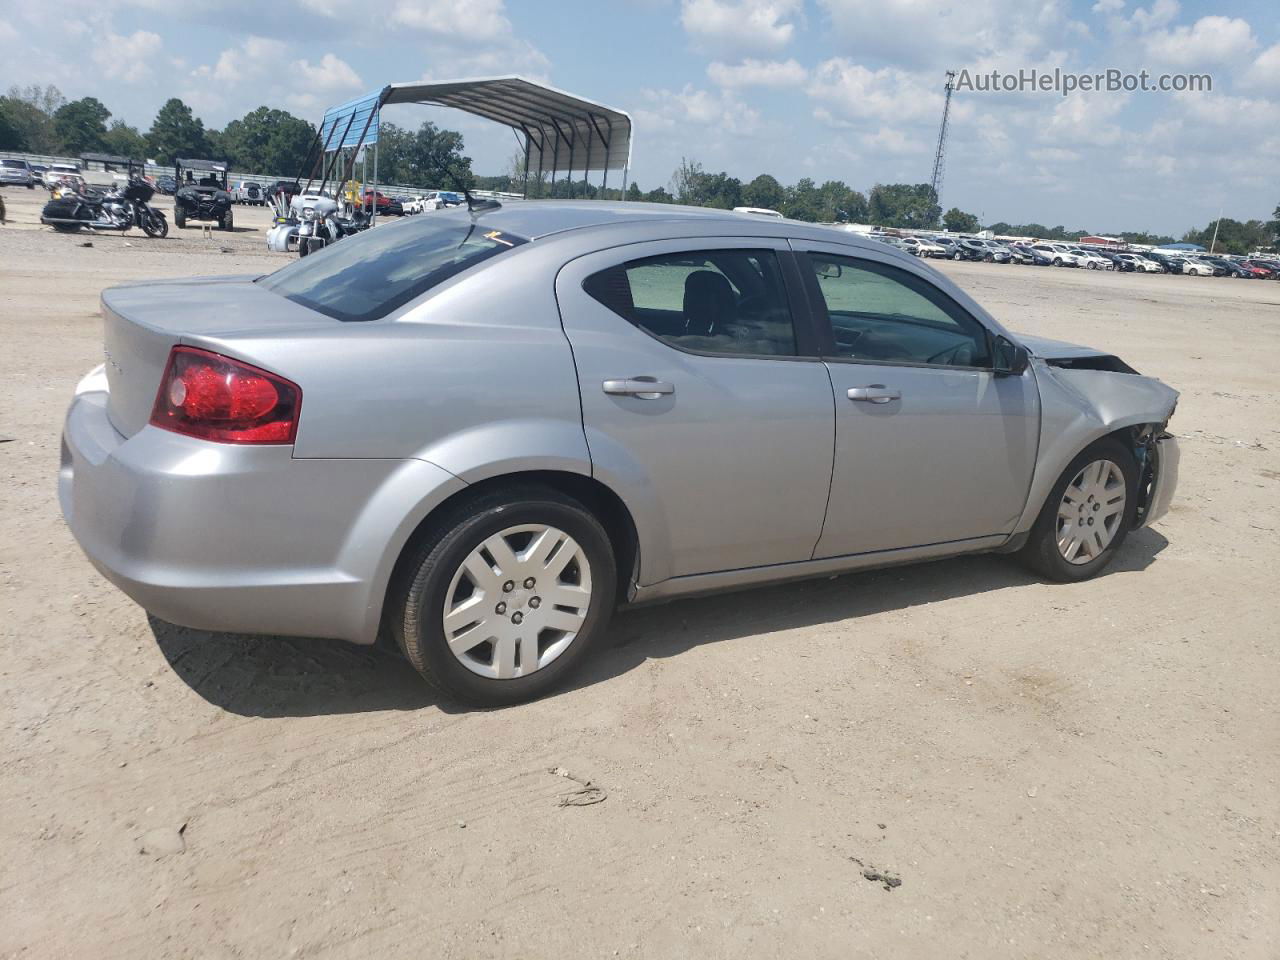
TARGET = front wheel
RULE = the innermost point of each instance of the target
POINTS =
(227, 220)
(957, 256)
(180, 218)
(1087, 514)
(505, 596)
(155, 225)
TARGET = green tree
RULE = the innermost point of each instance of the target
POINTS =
(125, 141)
(267, 141)
(686, 181)
(764, 191)
(957, 221)
(659, 195)
(802, 201)
(30, 111)
(81, 125)
(839, 203)
(633, 192)
(1274, 226)
(176, 132)
(11, 135)
(1233, 236)
(908, 205)
(428, 157)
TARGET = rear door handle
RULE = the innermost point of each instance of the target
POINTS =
(875, 393)
(646, 388)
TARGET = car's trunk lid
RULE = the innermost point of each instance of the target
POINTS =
(143, 322)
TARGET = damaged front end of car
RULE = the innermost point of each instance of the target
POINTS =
(1087, 394)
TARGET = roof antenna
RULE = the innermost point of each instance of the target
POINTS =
(473, 205)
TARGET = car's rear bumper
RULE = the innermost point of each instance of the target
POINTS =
(243, 539)
(1168, 457)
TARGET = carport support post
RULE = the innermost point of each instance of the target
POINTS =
(374, 220)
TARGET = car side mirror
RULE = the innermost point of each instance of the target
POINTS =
(1010, 359)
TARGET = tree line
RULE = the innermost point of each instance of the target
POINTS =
(41, 120)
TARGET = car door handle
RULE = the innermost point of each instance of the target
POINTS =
(646, 388)
(875, 393)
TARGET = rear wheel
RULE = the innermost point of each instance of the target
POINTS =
(66, 227)
(227, 220)
(179, 218)
(957, 256)
(1087, 514)
(505, 596)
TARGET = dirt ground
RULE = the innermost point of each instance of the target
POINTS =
(1084, 771)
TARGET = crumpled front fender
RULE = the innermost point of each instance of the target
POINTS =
(1081, 406)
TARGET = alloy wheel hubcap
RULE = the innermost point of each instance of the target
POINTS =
(517, 601)
(1091, 512)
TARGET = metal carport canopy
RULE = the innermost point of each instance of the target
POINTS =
(562, 132)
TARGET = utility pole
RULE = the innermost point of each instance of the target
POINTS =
(1214, 242)
(938, 157)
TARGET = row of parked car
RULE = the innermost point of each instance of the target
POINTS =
(1061, 254)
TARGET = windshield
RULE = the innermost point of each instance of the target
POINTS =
(367, 276)
(14, 163)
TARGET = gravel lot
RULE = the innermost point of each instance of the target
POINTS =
(1050, 770)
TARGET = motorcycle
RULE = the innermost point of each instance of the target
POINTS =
(112, 210)
(320, 224)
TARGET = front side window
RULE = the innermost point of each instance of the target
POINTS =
(367, 276)
(879, 313)
(707, 301)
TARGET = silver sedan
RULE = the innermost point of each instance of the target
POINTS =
(477, 433)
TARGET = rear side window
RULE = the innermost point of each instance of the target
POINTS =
(367, 276)
(712, 301)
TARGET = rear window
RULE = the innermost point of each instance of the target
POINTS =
(367, 276)
(14, 163)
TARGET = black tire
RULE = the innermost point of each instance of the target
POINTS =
(65, 227)
(1041, 552)
(179, 218)
(227, 221)
(155, 225)
(958, 256)
(304, 246)
(416, 597)
(1057, 261)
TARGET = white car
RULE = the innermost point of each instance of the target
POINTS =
(431, 201)
(249, 192)
(1091, 260)
(1194, 268)
(923, 248)
(759, 212)
(1059, 254)
(1141, 263)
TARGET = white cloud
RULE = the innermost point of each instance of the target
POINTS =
(757, 73)
(475, 21)
(1264, 72)
(331, 75)
(128, 59)
(1108, 6)
(846, 91)
(919, 33)
(1210, 40)
(741, 26)
(693, 107)
(1159, 14)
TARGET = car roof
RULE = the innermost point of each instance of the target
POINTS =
(541, 218)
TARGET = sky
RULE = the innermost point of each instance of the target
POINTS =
(849, 90)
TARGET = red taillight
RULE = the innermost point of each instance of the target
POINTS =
(213, 397)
